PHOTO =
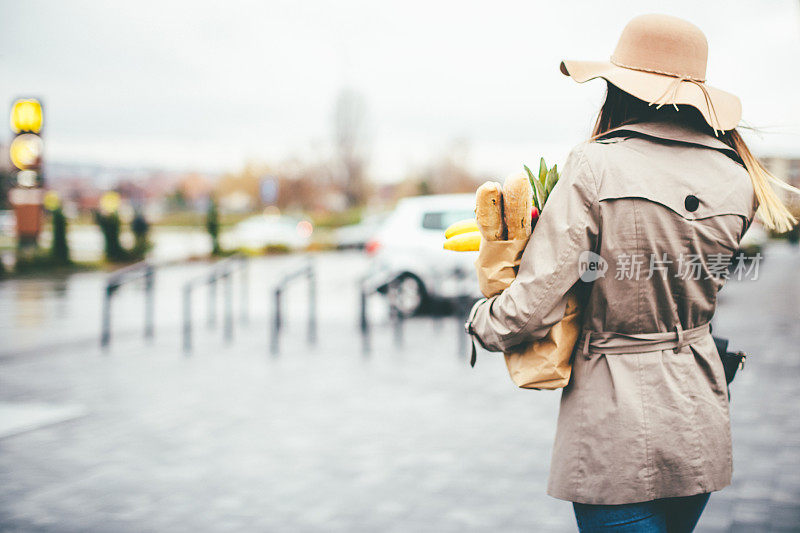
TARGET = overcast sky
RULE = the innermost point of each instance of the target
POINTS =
(209, 85)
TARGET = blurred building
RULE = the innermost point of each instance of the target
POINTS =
(786, 168)
(196, 189)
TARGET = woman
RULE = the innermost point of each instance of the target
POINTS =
(663, 192)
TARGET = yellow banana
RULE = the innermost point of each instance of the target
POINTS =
(464, 242)
(462, 226)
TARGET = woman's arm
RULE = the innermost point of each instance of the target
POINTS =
(535, 300)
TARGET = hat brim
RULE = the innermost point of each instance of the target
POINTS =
(649, 86)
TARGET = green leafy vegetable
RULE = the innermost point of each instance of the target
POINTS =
(533, 181)
(542, 171)
(543, 184)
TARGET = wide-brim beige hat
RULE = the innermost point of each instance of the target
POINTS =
(662, 60)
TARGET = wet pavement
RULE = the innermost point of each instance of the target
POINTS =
(404, 437)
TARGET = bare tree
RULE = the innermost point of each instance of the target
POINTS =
(348, 123)
(449, 172)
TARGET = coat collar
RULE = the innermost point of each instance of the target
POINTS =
(672, 132)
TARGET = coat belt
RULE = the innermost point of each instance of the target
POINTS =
(606, 342)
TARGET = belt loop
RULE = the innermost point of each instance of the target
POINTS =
(587, 335)
(679, 331)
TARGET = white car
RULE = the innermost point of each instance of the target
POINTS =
(408, 250)
(261, 231)
(358, 235)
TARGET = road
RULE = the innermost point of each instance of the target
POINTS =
(403, 437)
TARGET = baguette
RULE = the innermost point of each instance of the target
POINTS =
(489, 211)
(517, 200)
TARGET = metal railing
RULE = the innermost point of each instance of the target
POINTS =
(367, 287)
(459, 307)
(220, 271)
(138, 271)
(307, 271)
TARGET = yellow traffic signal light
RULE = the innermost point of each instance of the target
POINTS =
(26, 116)
(26, 151)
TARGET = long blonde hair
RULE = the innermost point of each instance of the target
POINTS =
(621, 108)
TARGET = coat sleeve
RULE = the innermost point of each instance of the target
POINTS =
(535, 301)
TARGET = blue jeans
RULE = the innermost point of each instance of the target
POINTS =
(668, 515)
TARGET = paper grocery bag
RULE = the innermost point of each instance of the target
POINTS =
(497, 264)
(544, 363)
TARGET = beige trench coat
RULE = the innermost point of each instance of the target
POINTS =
(645, 414)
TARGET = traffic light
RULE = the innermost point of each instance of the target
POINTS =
(25, 152)
(26, 116)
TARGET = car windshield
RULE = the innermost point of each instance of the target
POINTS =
(440, 220)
